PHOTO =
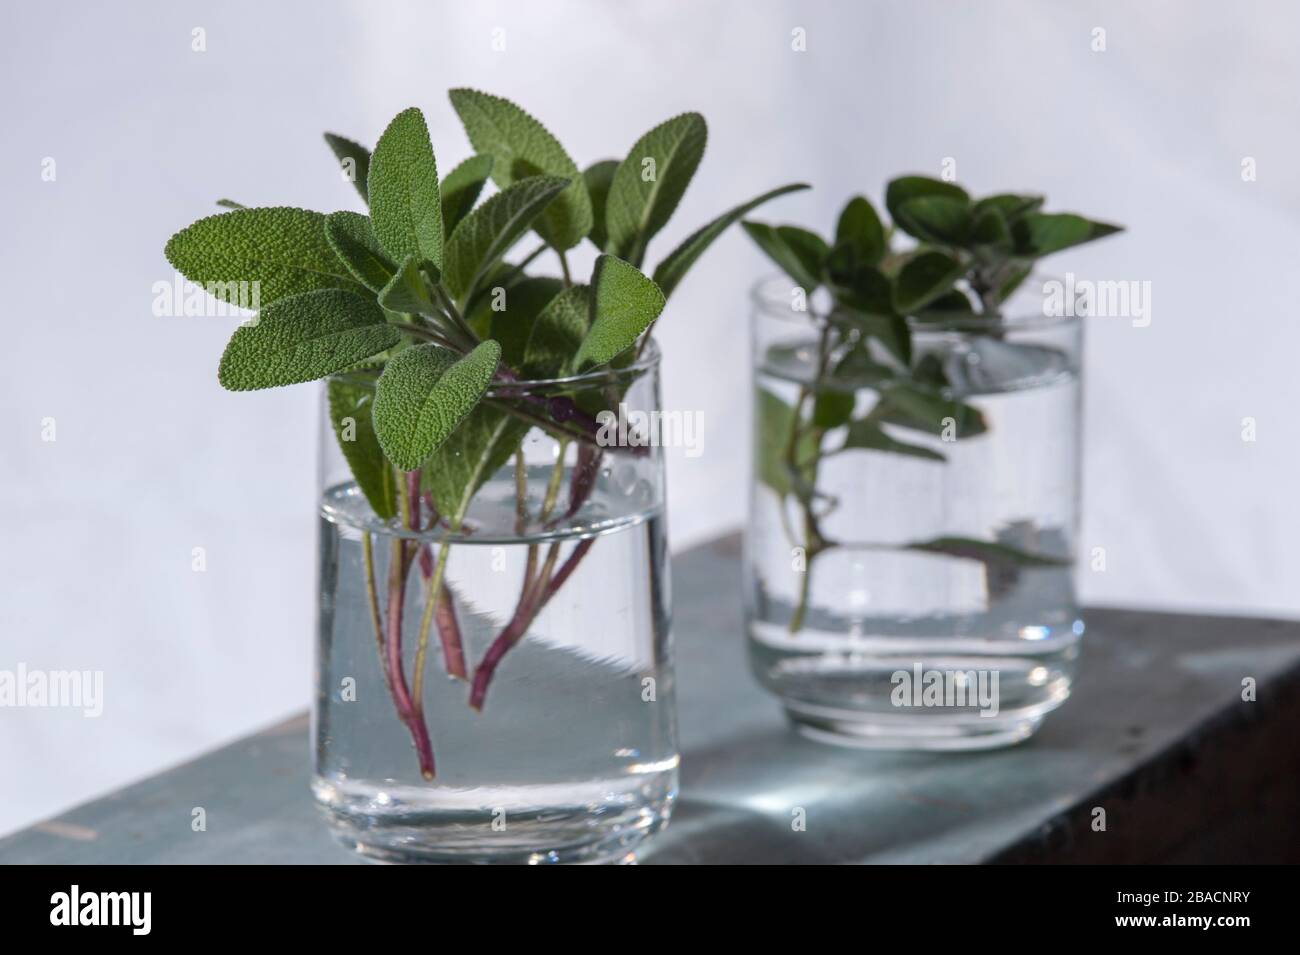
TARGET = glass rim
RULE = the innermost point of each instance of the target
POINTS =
(648, 360)
(776, 306)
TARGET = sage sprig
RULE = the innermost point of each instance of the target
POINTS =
(429, 380)
(969, 256)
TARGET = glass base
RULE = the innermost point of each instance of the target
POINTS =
(926, 733)
(555, 835)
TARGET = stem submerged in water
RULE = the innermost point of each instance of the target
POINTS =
(408, 709)
(531, 602)
(539, 584)
(388, 632)
(803, 477)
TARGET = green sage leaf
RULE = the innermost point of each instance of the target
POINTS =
(522, 148)
(599, 176)
(424, 393)
(480, 446)
(405, 205)
(408, 289)
(354, 161)
(268, 253)
(669, 273)
(353, 240)
(350, 405)
(649, 183)
(512, 326)
(460, 189)
(557, 335)
(623, 305)
(487, 233)
(303, 338)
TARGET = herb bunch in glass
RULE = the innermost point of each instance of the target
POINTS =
(970, 255)
(404, 311)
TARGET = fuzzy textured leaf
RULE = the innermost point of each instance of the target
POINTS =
(513, 325)
(424, 393)
(637, 206)
(557, 334)
(350, 405)
(478, 448)
(407, 291)
(405, 205)
(623, 304)
(599, 176)
(460, 189)
(488, 232)
(303, 338)
(673, 268)
(345, 151)
(283, 250)
(353, 240)
(521, 148)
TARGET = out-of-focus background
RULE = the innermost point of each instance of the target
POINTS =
(1154, 115)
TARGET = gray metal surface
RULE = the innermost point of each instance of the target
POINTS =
(1156, 734)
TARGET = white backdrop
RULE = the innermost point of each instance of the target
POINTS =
(152, 459)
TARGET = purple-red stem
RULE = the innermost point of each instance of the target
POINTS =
(537, 592)
(562, 410)
(410, 712)
(453, 647)
(583, 480)
(535, 596)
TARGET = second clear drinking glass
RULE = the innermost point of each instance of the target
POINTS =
(913, 588)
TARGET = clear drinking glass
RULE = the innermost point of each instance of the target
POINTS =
(940, 612)
(543, 728)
